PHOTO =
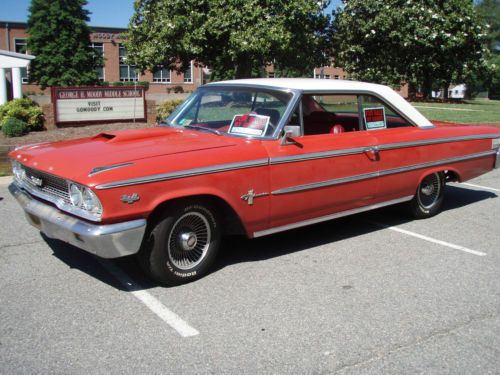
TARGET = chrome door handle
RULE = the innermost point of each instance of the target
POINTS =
(372, 153)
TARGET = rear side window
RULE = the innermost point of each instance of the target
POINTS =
(378, 115)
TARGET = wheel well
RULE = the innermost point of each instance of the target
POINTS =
(451, 176)
(230, 221)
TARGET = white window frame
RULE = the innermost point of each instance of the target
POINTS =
(92, 45)
(122, 63)
(24, 80)
(162, 80)
(191, 80)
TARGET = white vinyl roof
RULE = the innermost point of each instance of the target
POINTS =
(312, 85)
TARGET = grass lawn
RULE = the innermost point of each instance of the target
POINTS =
(473, 111)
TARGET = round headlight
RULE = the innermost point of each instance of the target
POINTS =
(75, 195)
(91, 202)
(17, 170)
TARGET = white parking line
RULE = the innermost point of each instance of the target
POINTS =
(430, 239)
(169, 317)
(479, 186)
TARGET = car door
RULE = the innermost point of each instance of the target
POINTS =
(320, 172)
(397, 145)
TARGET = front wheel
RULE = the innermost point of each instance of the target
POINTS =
(428, 199)
(181, 245)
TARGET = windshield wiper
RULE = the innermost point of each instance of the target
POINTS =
(214, 131)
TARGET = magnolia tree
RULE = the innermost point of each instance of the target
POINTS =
(60, 39)
(235, 38)
(429, 43)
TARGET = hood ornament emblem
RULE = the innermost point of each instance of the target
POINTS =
(249, 197)
(130, 198)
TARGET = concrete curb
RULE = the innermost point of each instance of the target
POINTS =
(4, 181)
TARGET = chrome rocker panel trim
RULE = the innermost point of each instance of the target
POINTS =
(330, 217)
(105, 241)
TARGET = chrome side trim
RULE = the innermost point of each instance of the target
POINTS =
(435, 163)
(316, 155)
(389, 146)
(281, 160)
(316, 185)
(497, 160)
(427, 142)
(185, 173)
(98, 170)
(366, 176)
(330, 217)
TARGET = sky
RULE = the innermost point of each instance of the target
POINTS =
(111, 13)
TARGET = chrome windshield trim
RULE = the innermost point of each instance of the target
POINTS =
(330, 217)
(296, 95)
(366, 176)
(185, 173)
(382, 147)
(98, 170)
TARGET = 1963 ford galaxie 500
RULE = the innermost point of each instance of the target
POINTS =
(249, 156)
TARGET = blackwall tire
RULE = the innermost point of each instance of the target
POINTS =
(428, 199)
(181, 245)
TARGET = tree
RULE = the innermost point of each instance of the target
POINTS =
(425, 42)
(60, 39)
(489, 10)
(234, 38)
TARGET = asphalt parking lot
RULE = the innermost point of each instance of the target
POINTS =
(372, 293)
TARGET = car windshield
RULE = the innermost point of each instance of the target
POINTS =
(238, 111)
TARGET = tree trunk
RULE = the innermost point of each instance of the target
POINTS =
(243, 69)
(446, 95)
(427, 88)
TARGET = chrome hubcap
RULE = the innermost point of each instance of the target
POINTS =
(189, 240)
(430, 190)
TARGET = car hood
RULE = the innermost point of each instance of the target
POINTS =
(76, 159)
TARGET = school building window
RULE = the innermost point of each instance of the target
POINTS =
(161, 75)
(127, 72)
(188, 74)
(20, 46)
(99, 68)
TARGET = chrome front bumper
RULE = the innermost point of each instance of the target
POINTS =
(105, 241)
(497, 161)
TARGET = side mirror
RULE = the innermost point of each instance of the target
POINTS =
(289, 133)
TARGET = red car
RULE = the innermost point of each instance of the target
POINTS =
(251, 157)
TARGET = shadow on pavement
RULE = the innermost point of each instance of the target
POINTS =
(238, 249)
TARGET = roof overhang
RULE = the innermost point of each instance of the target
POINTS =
(14, 60)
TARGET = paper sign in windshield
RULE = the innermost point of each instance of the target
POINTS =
(249, 124)
(375, 118)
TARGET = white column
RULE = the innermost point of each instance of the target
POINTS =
(17, 86)
(3, 87)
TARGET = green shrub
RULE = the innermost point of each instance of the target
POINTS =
(13, 127)
(116, 83)
(166, 108)
(22, 109)
(178, 89)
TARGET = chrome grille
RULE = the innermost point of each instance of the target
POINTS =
(51, 185)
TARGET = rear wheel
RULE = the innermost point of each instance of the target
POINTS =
(429, 196)
(181, 245)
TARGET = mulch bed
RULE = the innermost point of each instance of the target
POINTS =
(68, 133)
